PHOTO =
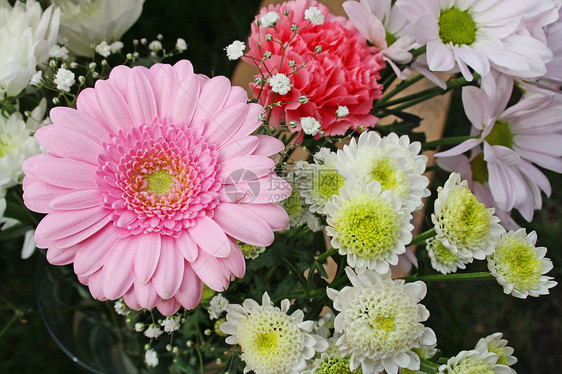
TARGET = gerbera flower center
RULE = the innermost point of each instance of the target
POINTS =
(466, 218)
(457, 27)
(471, 366)
(479, 169)
(159, 181)
(517, 261)
(337, 365)
(443, 254)
(500, 135)
(367, 226)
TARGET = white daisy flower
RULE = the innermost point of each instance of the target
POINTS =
(481, 35)
(217, 305)
(380, 321)
(463, 224)
(280, 83)
(442, 259)
(235, 50)
(474, 361)
(314, 15)
(310, 125)
(64, 79)
(269, 19)
(392, 161)
(519, 266)
(323, 181)
(495, 344)
(368, 225)
(272, 341)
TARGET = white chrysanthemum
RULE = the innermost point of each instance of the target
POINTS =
(474, 362)
(272, 341)
(26, 35)
(310, 125)
(250, 252)
(442, 259)
(368, 225)
(463, 224)
(392, 161)
(153, 331)
(495, 344)
(331, 363)
(314, 15)
(380, 321)
(151, 358)
(217, 305)
(481, 35)
(280, 84)
(269, 19)
(235, 50)
(295, 206)
(16, 145)
(64, 79)
(322, 182)
(171, 324)
(88, 22)
(519, 266)
(181, 45)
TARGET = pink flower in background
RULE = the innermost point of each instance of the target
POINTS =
(344, 73)
(148, 184)
(513, 139)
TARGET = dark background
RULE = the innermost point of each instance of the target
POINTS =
(461, 312)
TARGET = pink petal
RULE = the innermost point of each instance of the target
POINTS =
(69, 143)
(147, 256)
(265, 190)
(60, 224)
(268, 146)
(37, 195)
(475, 103)
(235, 262)
(210, 237)
(237, 95)
(252, 122)
(189, 293)
(145, 294)
(163, 84)
(187, 247)
(274, 214)
(427, 31)
(95, 283)
(169, 274)
(118, 275)
(459, 149)
(85, 234)
(439, 57)
(168, 307)
(119, 76)
(211, 272)
(212, 98)
(183, 69)
(241, 223)
(77, 199)
(92, 253)
(65, 173)
(358, 15)
(183, 101)
(140, 97)
(474, 59)
(78, 121)
(87, 104)
(130, 299)
(256, 166)
(238, 147)
(61, 256)
(113, 106)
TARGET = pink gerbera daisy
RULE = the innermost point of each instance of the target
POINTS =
(148, 183)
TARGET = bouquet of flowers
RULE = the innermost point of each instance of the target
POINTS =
(273, 228)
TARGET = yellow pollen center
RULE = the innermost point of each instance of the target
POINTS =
(328, 183)
(479, 168)
(159, 181)
(384, 323)
(468, 219)
(518, 262)
(500, 135)
(457, 27)
(443, 254)
(267, 341)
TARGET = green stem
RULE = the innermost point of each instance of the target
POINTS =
(17, 315)
(400, 87)
(422, 237)
(325, 255)
(450, 277)
(428, 367)
(446, 141)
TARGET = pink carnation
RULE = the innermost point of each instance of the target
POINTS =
(345, 73)
(149, 183)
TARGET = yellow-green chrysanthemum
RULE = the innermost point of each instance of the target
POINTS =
(495, 344)
(368, 225)
(463, 224)
(474, 362)
(442, 259)
(519, 266)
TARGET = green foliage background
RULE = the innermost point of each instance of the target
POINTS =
(461, 313)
